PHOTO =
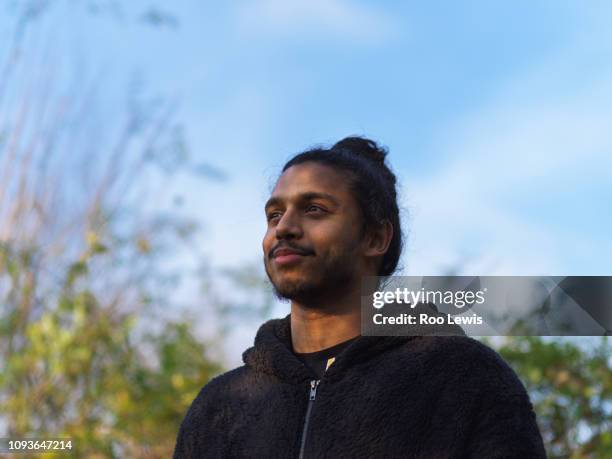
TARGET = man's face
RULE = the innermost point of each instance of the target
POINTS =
(312, 244)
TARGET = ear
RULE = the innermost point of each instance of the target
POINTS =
(378, 239)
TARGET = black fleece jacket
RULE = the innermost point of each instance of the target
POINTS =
(389, 397)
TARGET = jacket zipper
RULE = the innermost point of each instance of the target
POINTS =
(311, 398)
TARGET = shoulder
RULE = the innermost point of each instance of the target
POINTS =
(467, 359)
(462, 349)
(208, 416)
(223, 385)
(215, 397)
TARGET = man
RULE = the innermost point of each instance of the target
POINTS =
(312, 386)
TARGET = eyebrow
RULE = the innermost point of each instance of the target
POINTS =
(309, 196)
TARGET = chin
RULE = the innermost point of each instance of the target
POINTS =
(294, 289)
(288, 278)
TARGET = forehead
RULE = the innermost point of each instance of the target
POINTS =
(312, 177)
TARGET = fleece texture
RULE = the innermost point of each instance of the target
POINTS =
(429, 397)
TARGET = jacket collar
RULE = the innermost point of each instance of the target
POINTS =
(272, 353)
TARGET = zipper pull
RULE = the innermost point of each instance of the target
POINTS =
(313, 388)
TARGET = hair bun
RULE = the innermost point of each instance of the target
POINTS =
(362, 147)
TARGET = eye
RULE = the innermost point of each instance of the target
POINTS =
(273, 216)
(314, 208)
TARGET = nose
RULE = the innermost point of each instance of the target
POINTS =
(288, 227)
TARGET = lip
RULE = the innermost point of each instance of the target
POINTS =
(287, 259)
(286, 256)
(286, 251)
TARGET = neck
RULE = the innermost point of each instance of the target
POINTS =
(330, 322)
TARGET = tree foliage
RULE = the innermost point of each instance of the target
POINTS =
(87, 350)
(570, 385)
(73, 367)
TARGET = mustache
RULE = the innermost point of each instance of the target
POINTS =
(296, 248)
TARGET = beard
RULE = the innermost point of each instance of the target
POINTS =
(332, 277)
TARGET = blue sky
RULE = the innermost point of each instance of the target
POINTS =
(497, 115)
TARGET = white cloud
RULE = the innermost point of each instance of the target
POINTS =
(316, 19)
(510, 156)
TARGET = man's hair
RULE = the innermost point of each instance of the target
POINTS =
(372, 182)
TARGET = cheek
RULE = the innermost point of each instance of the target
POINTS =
(267, 241)
(334, 239)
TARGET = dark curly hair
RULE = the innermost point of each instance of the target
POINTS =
(372, 181)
